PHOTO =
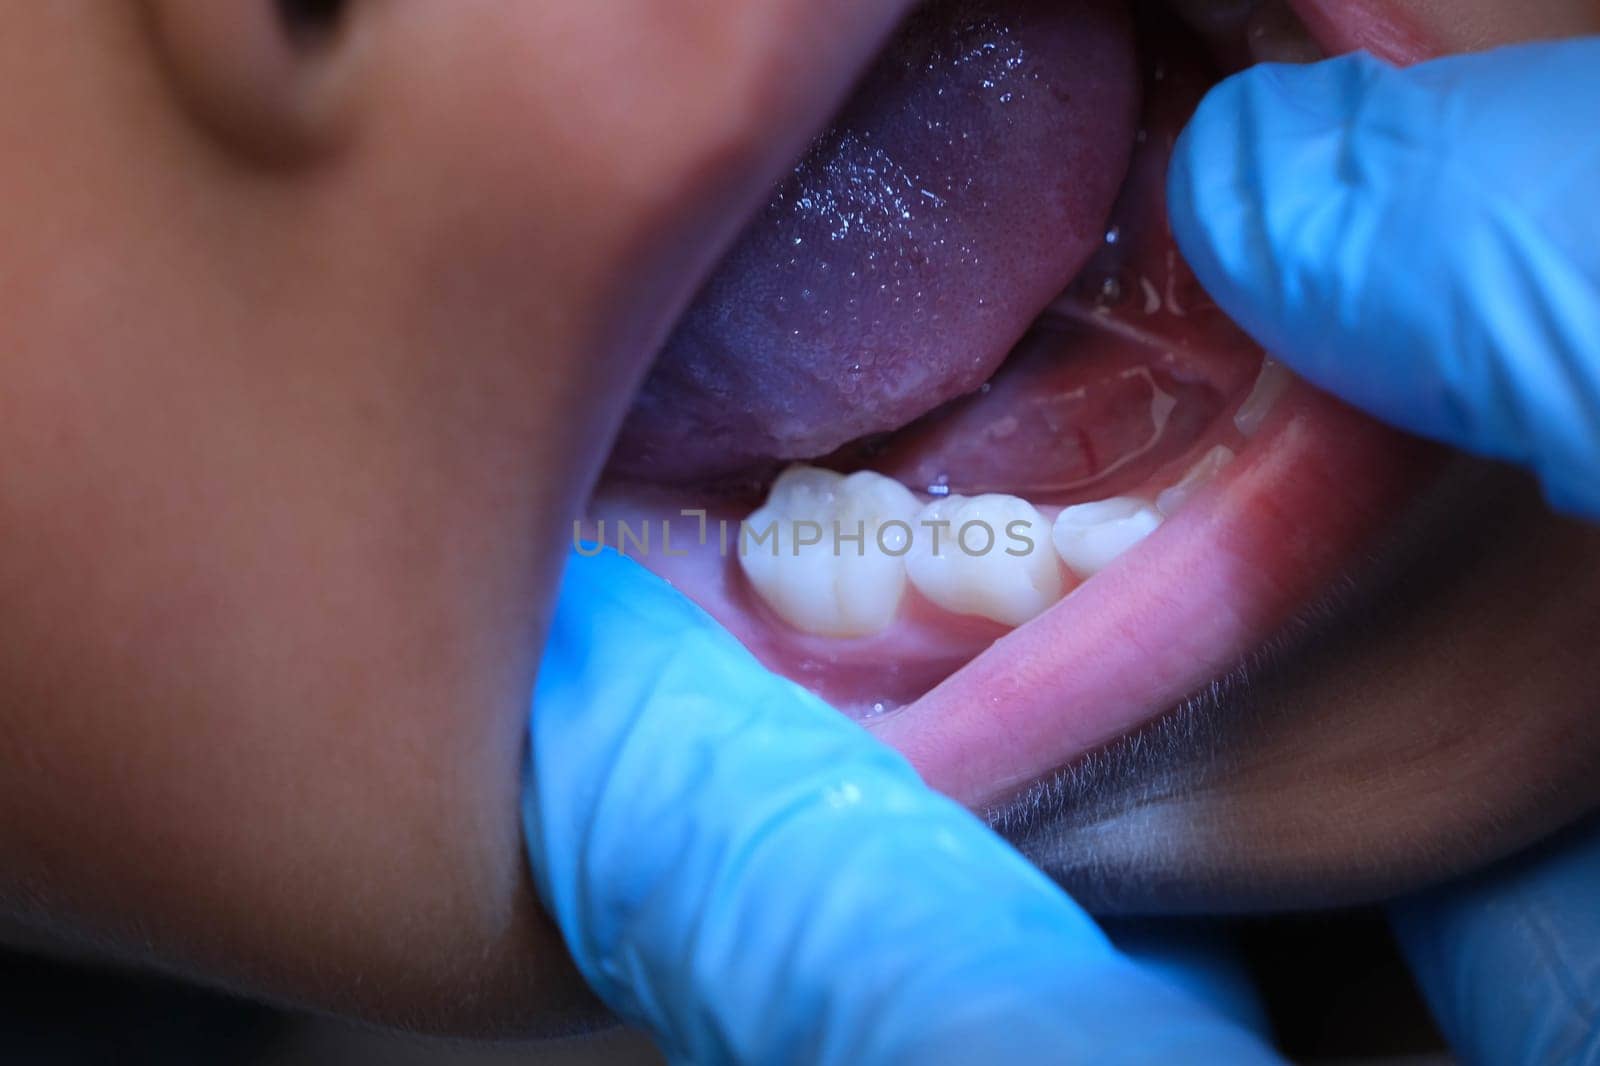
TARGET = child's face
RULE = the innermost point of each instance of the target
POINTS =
(309, 339)
(312, 334)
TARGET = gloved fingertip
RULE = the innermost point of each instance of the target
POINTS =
(1255, 175)
(1509, 959)
(1577, 495)
(1305, 199)
(1206, 189)
(597, 573)
(1217, 203)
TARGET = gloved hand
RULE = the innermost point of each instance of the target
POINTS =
(1424, 242)
(1510, 959)
(755, 879)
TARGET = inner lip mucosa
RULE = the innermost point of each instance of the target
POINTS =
(969, 290)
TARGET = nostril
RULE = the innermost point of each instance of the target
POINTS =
(308, 20)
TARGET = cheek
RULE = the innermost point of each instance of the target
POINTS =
(265, 556)
(1443, 725)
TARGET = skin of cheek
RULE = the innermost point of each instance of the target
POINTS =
(287, 458)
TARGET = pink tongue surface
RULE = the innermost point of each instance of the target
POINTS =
(969, 180)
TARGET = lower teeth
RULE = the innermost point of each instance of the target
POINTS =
(1091, 536)
(827, 552)
(832, 555)
(986, 556)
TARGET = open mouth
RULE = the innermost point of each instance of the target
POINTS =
(954, 438)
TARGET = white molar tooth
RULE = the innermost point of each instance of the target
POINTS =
(1271, 384)
(826, 550)
(987, 556)
(1199, 476)
(1091, 536)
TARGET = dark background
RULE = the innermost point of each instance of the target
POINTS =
(1333, 984)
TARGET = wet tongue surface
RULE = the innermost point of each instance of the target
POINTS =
(967, 183)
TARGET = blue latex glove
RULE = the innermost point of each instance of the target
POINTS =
(1510, 960)
(754, 879)
(1423, 242)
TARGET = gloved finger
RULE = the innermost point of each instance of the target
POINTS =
(1510, 960)
(1421, 242)
(753, 878)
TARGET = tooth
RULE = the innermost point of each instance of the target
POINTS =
(1199, 476)
(826, 551)
(1270, 385)
(1091, 536)
(987, 556)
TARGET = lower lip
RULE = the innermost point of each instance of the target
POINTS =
(1320, 484)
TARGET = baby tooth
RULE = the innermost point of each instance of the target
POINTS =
(1270, 385)
(1199, 476)
(987, 556)
(1090, 536)
(826, 551)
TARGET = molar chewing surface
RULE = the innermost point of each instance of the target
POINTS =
(831, 554)
(987, 556)
(826, 551)
(1092, 536)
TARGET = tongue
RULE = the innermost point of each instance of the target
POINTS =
(967, 184)
(1117, 382)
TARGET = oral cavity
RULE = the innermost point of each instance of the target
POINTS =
(1129, 397)
(1240, 32)
(901, 426)
(836, 555)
